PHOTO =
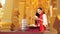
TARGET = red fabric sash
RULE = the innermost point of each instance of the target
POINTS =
(42, 27)
(41, 23)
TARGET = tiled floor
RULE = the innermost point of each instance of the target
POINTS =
(20, 32)
(50, 32)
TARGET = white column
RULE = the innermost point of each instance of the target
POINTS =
(51, 11)
(7, 11)
(58, 6)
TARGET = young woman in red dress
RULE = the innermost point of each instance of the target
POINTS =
(41, 19)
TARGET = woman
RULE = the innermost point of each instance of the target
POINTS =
(41, 19)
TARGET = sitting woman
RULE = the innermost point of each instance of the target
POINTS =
(41, 19)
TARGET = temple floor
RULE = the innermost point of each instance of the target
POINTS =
(20, 32)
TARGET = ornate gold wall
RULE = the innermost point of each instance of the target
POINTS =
(27, 10)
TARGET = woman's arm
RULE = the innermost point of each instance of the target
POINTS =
(36, 18)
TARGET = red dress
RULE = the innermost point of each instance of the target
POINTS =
(41, 23)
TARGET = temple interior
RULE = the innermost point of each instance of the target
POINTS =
(26, 9)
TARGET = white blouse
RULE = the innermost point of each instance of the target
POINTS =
(45, 20)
